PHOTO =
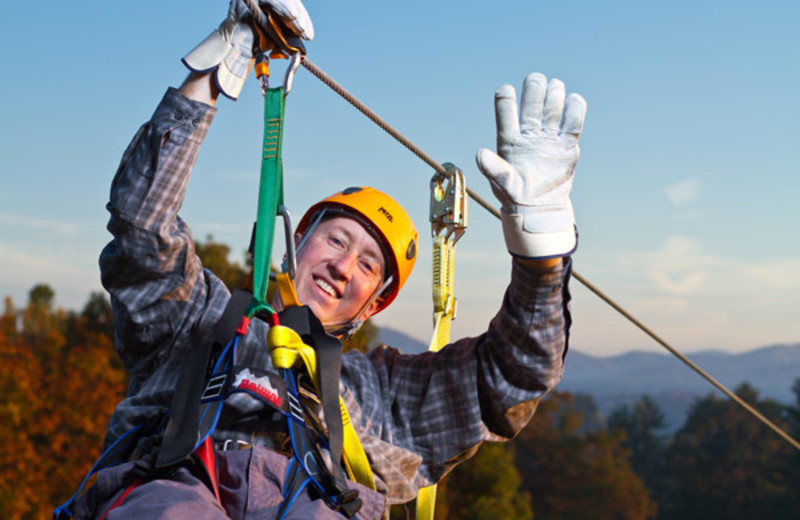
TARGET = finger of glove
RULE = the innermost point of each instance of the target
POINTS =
(506, 119)
(208, 53)
(502, 176)
(553, 106)
(294, 15)
(532, 102)
(574, 115)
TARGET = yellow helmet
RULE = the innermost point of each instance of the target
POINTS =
(385, 219)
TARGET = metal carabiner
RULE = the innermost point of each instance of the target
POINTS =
(288, 78)
(291, 256)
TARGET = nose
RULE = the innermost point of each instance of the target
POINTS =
(342, 265)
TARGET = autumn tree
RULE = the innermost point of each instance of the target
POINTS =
(64, 381)
(725, 464)
(570, 475)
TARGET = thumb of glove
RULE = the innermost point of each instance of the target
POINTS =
(524, 237)
(502, 176)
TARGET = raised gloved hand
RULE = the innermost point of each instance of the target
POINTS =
(229, 49)
(532, 175)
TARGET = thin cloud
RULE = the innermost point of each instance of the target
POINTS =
(22, 270)
(779, 274)
(684, 192)
(680, 268)
(40, 224)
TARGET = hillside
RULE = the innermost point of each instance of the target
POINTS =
(623, 379)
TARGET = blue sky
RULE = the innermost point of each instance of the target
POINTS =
(685, 192)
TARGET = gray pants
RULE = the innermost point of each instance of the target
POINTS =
(250, 488)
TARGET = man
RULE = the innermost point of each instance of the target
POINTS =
(416, 416)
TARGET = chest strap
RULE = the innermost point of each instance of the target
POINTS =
(289, 350)
(184, 427)
(300, 344)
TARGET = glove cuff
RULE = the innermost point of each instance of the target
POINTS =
(526, 244)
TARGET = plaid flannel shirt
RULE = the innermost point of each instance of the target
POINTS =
(417, 415)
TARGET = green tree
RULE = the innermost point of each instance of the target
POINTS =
(570, 475)
(723, 463)
(39, 323)
(216, 257)
(791, 465)
(641, 425)
(97, 315)
(487, 487)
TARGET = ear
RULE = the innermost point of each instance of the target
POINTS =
(372, 309)
(297, 238)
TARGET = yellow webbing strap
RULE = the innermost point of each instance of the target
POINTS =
(287, 349)
(286, 290)
(448, 215)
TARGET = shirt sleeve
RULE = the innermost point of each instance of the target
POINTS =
(441, 406)
(150, 268)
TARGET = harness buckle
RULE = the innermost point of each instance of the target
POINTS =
(235, 445)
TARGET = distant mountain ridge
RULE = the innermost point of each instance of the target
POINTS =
(772, 370)
(625, 378)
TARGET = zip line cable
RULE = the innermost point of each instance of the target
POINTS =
(375, 118)
(738, 400)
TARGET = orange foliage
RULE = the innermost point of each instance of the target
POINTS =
(61, 383)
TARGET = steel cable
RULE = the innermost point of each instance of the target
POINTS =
(375, 118)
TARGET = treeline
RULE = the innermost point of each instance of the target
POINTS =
(721, 464)
(62, 379)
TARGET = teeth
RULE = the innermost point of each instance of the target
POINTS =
(325, 287)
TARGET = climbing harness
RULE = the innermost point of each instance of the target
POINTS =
(301, 350)
(300, 344)
(448, 217)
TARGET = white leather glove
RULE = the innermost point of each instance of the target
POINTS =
(229, 49)
(532, 175)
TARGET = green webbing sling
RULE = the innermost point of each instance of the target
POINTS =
(270, 196)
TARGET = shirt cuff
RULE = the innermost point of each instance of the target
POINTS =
(176, 110)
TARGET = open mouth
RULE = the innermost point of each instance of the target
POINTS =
(326, 287)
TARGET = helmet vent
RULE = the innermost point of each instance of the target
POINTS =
(412, 249)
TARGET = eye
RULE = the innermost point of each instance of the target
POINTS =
(367, 265)
(336, 241)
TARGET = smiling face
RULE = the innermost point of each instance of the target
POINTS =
(339, 269)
